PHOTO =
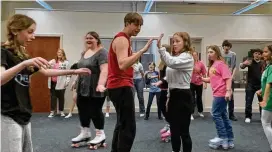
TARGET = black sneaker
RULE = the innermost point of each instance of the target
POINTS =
(233, 118)
(146, 118)
(160, 118)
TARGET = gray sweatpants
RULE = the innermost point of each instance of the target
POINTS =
(266, 122)
(15, 137)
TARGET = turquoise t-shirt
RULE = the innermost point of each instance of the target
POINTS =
(267, 79)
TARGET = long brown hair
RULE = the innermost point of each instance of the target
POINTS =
(187, 42)
(15, 24)
(270, 49)
(63, 55)
(162, 63)
(217, 51)
(96, 36)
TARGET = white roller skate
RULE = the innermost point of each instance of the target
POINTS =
(82, 138)
(98, 141)
(231, 144)
(216, 143)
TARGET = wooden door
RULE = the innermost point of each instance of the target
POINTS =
(45, 47)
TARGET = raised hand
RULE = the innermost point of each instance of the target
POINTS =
(37, 62)
(83, 71)
(159, 41)
(149, 42)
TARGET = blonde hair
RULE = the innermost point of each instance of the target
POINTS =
(63, 55)
(162, 63)
(17, 23)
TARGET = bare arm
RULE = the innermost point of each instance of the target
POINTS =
(7, 75)
(103, 74)
(233, 73)
(206, 80)
(56, 72)
(267, 92)
(121, 46)
(228, 84)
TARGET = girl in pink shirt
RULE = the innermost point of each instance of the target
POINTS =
(197, 85)
(219, 76)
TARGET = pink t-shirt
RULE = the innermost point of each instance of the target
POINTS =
(198, 72)
(219, 73)
(56, 66)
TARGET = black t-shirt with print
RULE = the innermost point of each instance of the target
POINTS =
(15, 98)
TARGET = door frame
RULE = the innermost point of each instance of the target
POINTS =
(53, 35)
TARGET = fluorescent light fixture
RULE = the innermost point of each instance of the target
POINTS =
(44, 4)
(148, 6)
(251, 6)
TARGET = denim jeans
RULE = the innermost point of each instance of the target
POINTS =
(139, 88)
(150, 100)
(221, 120)
(250, 92)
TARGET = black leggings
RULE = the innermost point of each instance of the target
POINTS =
(197, 97)
(90, 108)
(56, 95)
(125, 128)
(179, 112)
(163, 99)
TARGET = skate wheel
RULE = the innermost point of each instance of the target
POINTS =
(95, 147)
(75, 145)
(104, 145)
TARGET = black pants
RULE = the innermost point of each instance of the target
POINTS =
(163, 99)
(250, 92)
(90, 108)
(150, 100)
(179, 112)
(197, 97)
(231, 102)
(125, 129)
(56, 95)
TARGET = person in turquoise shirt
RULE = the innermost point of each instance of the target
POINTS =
(266, 92)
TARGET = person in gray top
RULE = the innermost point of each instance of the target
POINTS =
(178, 75)
(90, 89)
(230, 59)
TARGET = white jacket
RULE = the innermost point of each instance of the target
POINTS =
(62, 81)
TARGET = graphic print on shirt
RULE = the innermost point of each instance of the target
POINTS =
(212, 71)
(228, 61)
(22, 79)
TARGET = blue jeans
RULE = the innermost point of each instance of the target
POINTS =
(150, 100)
(139, 88)
(221, 120)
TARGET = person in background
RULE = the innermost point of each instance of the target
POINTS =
(58, 84)
(90, 90)
(230, 59)
(107, 105)
(220, 79)
(16, 70)
(197, 84)
(120, 82)
(254, 73)
(153, 77)
(178, 75)
(74, 96)
(266, 93)
(162, 83)
(138, 79)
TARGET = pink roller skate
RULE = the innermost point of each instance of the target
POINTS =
(166, 137)
(165, 129)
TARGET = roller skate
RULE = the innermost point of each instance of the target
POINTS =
(216, 143)
(98, 141)
(82, 138)
(231, 144)
(166, 137)
(165, 129)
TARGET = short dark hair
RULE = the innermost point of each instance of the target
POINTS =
(226, 43)
(256, 50)
(133, 18)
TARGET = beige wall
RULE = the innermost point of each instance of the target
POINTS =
(213, 29)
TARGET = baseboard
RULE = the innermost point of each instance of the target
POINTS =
(154, 109)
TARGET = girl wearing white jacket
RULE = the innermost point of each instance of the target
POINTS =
(58, 84)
